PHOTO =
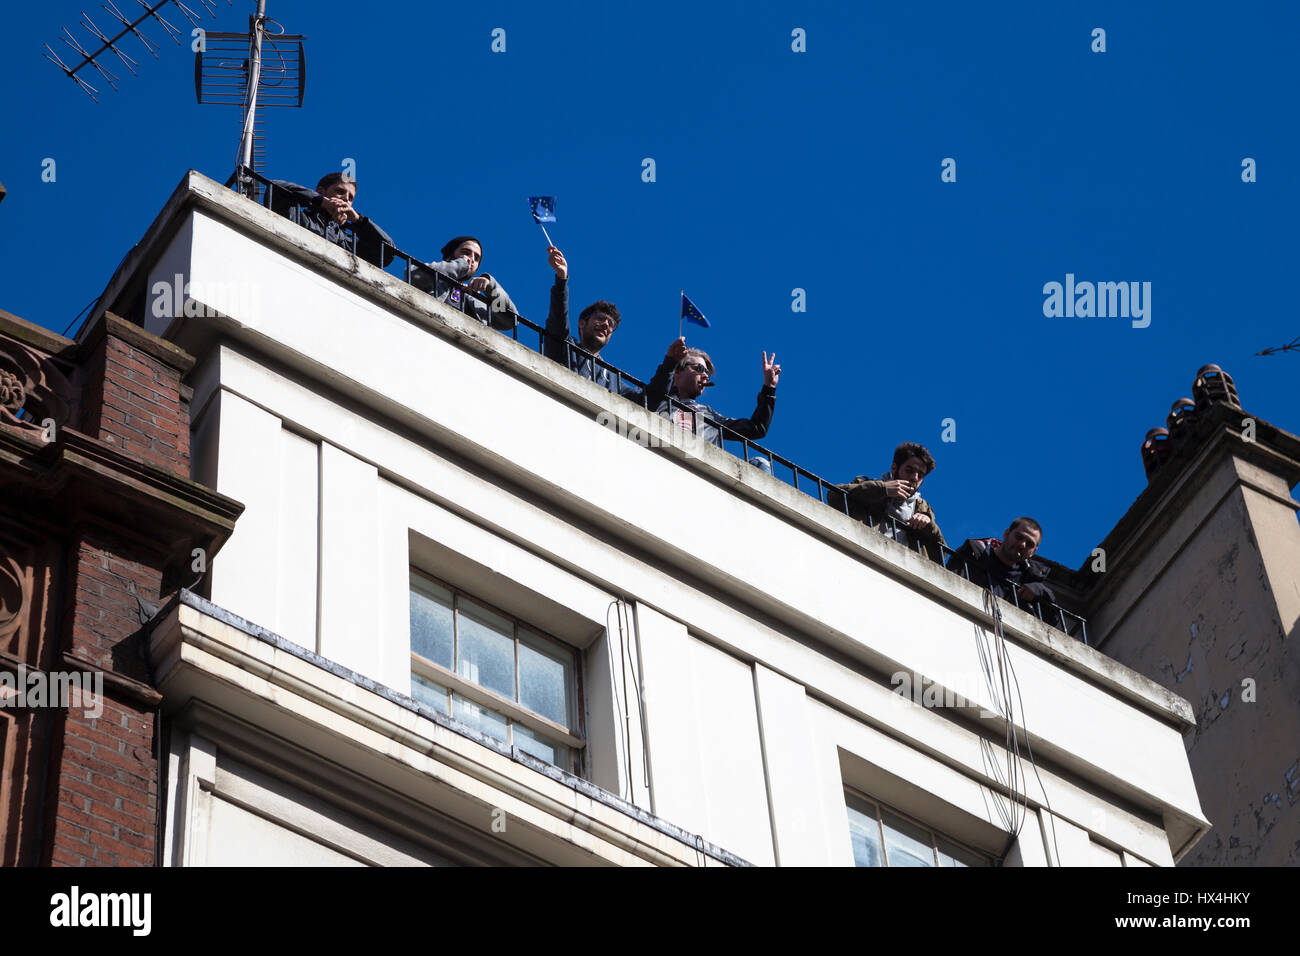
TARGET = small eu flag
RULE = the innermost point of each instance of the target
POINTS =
(692, 314)
(543, 208)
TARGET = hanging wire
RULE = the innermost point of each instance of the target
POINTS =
(1006, 682)
(636, 686)
(613, 687)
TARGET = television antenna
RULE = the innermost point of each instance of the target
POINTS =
(107, 43)
(1292, 346)
(231, 70)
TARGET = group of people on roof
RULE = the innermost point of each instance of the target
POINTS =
(891, 503)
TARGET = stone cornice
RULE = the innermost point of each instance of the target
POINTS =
(89, 477)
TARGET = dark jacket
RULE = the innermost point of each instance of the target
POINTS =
(705, 419)
(303, 206)
(562, 347)
(988, 571)
(867, 501)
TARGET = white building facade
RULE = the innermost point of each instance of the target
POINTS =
(459, 622)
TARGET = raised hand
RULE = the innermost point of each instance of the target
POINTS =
(558, 262)
(677, 350)
(771, 371)
(898, 488)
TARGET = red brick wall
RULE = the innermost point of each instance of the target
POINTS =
(133, 401)
(104, 791)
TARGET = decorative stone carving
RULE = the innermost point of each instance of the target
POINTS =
(13, 596)
(31, 388)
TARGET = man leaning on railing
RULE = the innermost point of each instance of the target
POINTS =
(893, 502)
(327, 211)
(1004, 567)
(461, 258)
(684, 375)
(596, 326)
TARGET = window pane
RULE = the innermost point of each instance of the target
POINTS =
(950, 855)
(428, 693)
(480, 718)
(864, 833)
(542, 749)
(431, 621)
(905, 844)
(543, 682)
(487, 649)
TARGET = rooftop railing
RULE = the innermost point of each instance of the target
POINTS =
(477, 305)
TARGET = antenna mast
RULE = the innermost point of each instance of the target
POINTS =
(256, 29)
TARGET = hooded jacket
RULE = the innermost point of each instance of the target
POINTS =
(432, 276)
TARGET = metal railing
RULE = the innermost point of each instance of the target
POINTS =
(459, 296)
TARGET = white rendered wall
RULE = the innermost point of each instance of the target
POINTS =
(750, 722)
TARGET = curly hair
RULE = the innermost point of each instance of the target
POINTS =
(910, 449)
(603, 307)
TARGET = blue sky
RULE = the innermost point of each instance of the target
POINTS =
(775, 170)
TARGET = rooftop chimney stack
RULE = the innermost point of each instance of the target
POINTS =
(1155, 450)
(1212, 385)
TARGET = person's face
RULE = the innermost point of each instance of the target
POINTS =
(595, 331)
(344, 191)
(911, 471)
(469, 249)
(1019, 542)
(691, 377)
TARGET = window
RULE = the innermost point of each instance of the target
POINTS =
(883, 838)
(494, 674)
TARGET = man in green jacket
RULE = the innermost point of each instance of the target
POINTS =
(895, 495)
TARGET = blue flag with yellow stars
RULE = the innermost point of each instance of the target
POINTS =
(692, 314)
(543, 208)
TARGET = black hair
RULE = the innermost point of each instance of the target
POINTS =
(329, 179)
(607, 308)
(450, 248)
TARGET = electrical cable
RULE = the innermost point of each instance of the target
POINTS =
(95, 300)
(613, 690)
(636, 686)
(995, 665)
(1009, 678)
(1033, 763)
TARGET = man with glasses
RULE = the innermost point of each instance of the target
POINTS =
(691, 372)
(596, 326)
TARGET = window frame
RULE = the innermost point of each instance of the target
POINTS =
(936, 837)
(573, 737)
